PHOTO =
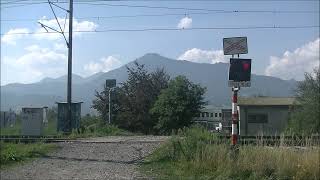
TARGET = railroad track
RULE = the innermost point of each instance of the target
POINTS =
(244, 140)
(30, 139)
(56, 139)
(275, 140)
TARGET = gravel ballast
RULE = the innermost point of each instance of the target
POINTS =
(95, 158)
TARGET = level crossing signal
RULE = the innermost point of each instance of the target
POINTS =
(240, 70)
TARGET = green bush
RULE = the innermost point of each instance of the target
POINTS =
(91, 126)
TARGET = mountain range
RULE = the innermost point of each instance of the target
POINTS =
(212, 76)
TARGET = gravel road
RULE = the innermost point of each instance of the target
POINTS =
(95, 158)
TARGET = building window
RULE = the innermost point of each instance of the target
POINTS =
(220, 115)
(207, 114)
(211, 126)
(203, 114)
(257, 118)
(215, 114)
(211, 114)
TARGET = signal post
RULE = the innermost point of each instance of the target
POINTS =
(239, 76)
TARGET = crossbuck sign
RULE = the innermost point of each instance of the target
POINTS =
(235, 45)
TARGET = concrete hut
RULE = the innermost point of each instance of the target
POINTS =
(264, 115)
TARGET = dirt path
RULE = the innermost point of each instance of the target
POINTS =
(95, 158)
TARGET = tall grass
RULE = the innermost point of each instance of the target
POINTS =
(194, 154)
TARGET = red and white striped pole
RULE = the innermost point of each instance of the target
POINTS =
(235, 116)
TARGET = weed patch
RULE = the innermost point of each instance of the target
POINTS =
(14, 153)
(193, 154)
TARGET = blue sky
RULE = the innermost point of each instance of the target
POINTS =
(284, 53)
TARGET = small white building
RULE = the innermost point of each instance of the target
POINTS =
(210, 116)
(264, 115)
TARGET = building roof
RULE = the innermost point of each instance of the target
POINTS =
(67, 102)
(266, 101)
(214, 107)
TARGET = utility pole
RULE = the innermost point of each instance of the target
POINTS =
(111, 84)
(69, 90)
(110, 105)
(68, 117)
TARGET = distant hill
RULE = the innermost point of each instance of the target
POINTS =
(213, 76)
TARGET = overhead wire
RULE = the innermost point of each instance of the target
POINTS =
(174, 29)
(122, 16)
(93, 2)
(207, 11)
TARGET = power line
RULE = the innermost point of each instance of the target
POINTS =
(197, 9)
(175, 29)
(22, 5)
(127, 16)
(92, 2)
(122, 16)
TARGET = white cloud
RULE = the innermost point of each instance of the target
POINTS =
(104, 65)
(60, 47)
(36, 64)
(295, 64)
(203, 56)
(185, 23)
(77, 26)
(11, 39)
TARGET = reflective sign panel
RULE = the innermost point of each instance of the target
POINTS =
(235, 45)
(110, 83)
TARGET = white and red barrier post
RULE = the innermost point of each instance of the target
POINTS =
(235, 117)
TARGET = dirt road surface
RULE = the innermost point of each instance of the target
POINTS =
(95, 158)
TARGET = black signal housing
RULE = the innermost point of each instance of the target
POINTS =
(240, 70)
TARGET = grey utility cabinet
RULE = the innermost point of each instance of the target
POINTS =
(64, 124)
(32, 121)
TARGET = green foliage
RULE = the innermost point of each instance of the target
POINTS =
(92, 126)
(147, 103)
(193, 154)
(132, 101)
(15, 130)
(51, 127)
(177, 104)
(306, 117)
(12, 153)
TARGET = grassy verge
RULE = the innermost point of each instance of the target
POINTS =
(89, 127)
(196, 156)
(98, 130)
(15, 130)
(11, 154)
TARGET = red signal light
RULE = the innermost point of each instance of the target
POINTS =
(246, 66)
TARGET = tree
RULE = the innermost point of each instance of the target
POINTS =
(306, 117)
(134, 98)
(178, 104)
(101, 103)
